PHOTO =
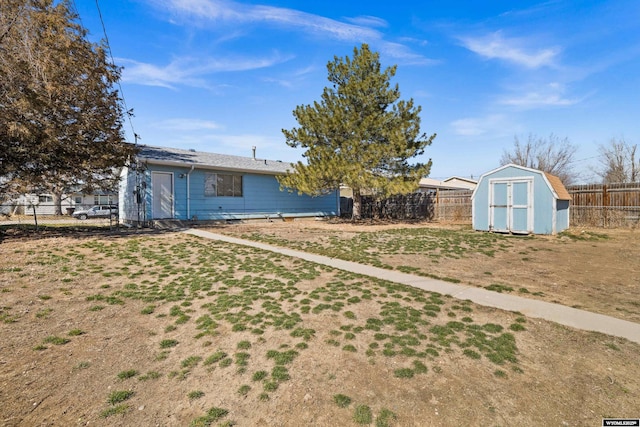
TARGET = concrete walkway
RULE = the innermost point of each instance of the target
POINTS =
(564, 315)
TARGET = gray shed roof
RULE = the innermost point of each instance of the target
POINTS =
(203, 160)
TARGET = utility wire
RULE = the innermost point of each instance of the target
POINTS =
(128, 112)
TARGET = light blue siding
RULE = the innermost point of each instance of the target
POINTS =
(261, 198)
(533, 206)
(480, 211)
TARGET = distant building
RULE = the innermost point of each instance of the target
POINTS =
(430, 185)
(467, 183)
(44, 205)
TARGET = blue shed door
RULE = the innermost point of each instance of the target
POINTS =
(162, 193)
(511, 206)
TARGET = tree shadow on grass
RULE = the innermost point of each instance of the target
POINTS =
(29, 232)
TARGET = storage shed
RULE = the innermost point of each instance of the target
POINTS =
(520, 200)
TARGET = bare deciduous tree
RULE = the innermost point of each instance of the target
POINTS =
(619, 162)
(553, 154)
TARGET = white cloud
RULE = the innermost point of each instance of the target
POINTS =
(514, 50)
(190, 71)
(369, 21)
(477, 126)
(220, 10)
(185, 124)
(550, 95)
(537, 99)
(358, 30)
(402, 52)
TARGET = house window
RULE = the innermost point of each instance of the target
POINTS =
(102, 199)
(45, 199)
(78, 200)
(222, 185)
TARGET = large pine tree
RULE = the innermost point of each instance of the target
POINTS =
(60, 115)
(360, 134)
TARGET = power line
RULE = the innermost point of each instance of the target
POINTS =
(586, 158)
(128, 112)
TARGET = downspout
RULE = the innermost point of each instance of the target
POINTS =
(189, 192)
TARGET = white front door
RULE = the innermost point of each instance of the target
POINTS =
(162, 194)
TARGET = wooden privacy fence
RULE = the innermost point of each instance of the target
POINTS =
(592, 205)
(400, 207)
(443, 205)
(453, 205)
(605, 205)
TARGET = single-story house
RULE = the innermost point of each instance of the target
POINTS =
(44, 205)
(520, 200)
(98, 197)
(171, 183)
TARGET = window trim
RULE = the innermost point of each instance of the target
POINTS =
(212, 187)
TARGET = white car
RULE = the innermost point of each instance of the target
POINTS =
(98, 211)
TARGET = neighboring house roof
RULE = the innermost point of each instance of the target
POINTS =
(469, 183)
(204, 160)
(443, 185)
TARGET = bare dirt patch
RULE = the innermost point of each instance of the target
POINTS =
(191, 327)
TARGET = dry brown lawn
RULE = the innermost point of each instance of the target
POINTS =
(592, 269)
(189, 327)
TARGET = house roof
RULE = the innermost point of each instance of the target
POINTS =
(205, 160)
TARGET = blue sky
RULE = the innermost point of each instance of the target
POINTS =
(223, 76)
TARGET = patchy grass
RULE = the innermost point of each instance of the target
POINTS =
(582, 235)
(214, 414)
(52, 339)
(496, 287)
(119, 396)
(386, 418)
(342, 400)
(168, 343)
(267, 316)
(123, 375)
(195, 394)
(115, 410)
(371, 247)
(362, 415)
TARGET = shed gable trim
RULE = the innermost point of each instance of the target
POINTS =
(553, 182)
